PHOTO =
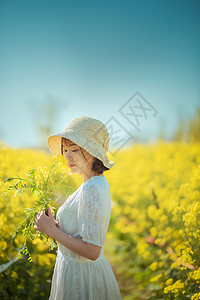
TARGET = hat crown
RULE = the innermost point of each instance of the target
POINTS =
(92, 129)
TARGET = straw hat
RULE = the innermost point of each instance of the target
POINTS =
(88, 133)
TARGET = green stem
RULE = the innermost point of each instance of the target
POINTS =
(50, 173)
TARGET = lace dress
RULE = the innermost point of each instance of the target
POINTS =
(85, 215)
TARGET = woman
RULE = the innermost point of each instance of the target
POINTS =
(81, 271)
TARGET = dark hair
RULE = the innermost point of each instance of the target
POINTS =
(97, 165)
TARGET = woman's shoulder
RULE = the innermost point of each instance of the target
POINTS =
(97, 181)
(97, 185)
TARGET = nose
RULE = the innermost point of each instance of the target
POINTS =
(67, 154)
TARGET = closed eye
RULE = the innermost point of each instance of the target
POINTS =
(72, 150)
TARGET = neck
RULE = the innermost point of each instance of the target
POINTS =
(85, 177)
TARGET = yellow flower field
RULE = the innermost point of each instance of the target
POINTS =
(153, 237)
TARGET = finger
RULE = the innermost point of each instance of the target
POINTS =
(38, 215)
(50, 214)
(37, 218)
(42, 212)
(50, 211)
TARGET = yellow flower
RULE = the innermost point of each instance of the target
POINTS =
(196, 274)
(14, 274)
(196, 296)
(153, 266)
(169, 281)
(174, 288)
(156, 278)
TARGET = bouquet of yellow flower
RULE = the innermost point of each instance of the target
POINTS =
(42, 184)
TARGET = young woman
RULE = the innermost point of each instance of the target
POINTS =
(81, 271)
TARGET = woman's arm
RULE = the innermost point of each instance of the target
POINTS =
(77, 245)
(46, 224)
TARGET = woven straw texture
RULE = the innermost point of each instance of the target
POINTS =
(88, 133)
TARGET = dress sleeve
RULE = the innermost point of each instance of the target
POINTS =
(91, 215)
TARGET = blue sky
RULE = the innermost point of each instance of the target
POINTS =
(90, 57)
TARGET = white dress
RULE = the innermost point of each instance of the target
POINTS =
(85, 215)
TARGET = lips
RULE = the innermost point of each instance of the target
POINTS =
(71, 166)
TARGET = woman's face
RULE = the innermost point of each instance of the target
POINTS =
(75, 159)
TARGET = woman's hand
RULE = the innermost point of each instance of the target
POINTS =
(45, 224)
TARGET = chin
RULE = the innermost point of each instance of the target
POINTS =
(74, 171)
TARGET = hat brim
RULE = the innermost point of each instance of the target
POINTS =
(54, 143)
